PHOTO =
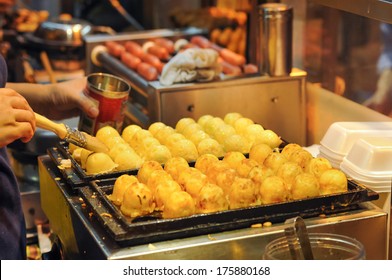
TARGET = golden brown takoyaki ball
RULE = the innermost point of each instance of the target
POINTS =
(144, 145)
(163, 133)
(192, 180)
(275, 160)
(215, 169)
(259, 152)
(155, 127)
(192, 129)
(163, 190)
(222, 132)
(288, 171)
(113, 141)
(254, 133)
(211, 198)
(175, 165)
(184, 123)
(242, 194)
(225, 179)
(198, 136)
(270, 138)
(259, 173)
(128, 159)
(129, 131)
(245, 165)
(204, 119)
(302, 157)
(204, 161)
(156, 177)
(233, 159)
(231, 117)
(305, 185)
(118, 149)
(179, 204)
(105, 133)
(241, 124)
(273, 190)
(333, 181)
(138, 200)
(173, 138)
(82, 154)
(119, 187)
(146, 169)
(97, 163)
(210, 146)
(184, 148)
(317, 166)
(212, 125)
(236, 143)
(138, 137)
(159, 153)
(288, 150)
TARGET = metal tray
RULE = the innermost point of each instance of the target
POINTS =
(153, 228)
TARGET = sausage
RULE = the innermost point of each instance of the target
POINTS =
(134, 48)
(147, 71)
(159, 52)
(114, 48)
(250, 68)
(232, 57)
(165, 43)
(130, 60)
(152, 60)
(201, 41)
(228, 68)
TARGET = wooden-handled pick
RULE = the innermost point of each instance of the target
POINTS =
(70, 135)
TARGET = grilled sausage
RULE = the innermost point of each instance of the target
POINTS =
(228, 68)
(250, 68)
(232, 57)
(114, 48)
(201, 41)
(165, 43)
(130, 60)
(147, 71)
(159, 52)
(134, 48)
(152, 60)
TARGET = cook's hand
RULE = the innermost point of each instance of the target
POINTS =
(66, 99)
(17, 119)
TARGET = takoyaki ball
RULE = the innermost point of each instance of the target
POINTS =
(156, 177)
(225, 179)
(159, 153)
(242, 193)
(233, 159)
(204, 161)
(163, 190)
(245, 165)
(118, 149)
(288, 150)
(147, 143)
(173, 138)
(97, 163)
(137, 139)
(114, 141)
(302, 157)
(77, 154)
(254, 133)
(146, 170)
(163, 133)
(105, 133)
(155, 127)
(198, 136)
(191, 129)
(128, 160)
(138, 200)
(236, 143)
(317, 166)
(270, 138)
(305, 185)
(184, 123)
(175, 165)
(212, 125)
(273, 190)
(204, 119)
(186, 149)
(288, 171)
(259, 152)
(210, 146)
(119, 187)
(333, 181)
(83, 155)
(211, 199)
(231, 117)
(129, 131)
(259, 173)
(215, 169)
(275, 160)
(179, 204)
(241, 124)
(222, 132)
(192, 180)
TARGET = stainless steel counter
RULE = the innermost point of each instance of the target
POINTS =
(81, 237)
